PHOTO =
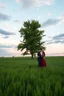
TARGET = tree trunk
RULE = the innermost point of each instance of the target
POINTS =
(32, 55)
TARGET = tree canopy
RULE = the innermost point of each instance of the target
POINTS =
(32, 37)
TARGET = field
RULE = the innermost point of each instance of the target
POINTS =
(22, 77)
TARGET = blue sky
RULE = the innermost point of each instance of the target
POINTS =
(49, 13)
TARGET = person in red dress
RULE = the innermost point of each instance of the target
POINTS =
(43, 62)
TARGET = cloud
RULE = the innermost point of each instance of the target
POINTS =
(4, 17)
(50, 22)
(5, 33)
(56, 39)
(18, 1)
(6, 25)
(37, 3)
(9, 41)
(61, 19)
(16, 21)
(55, 49)
(7, 52)
(4, 52)
(49, 14)
(6, 37)
(7, 46)
(55, 54)
(60, 36)
(2, 5)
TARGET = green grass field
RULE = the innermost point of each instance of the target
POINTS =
(22, 77)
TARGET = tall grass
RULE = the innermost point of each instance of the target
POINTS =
(22, 77)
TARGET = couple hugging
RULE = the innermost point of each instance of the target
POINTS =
(41, 60)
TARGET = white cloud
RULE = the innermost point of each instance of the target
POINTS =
(8, 47)
(3, 52)
(6, 25)
(9, 41)
(49, 14)
(14, 51)
(9, 52)
(61, 19)
(2, 5)
(55, 49)
(18, 1)
(37, 3)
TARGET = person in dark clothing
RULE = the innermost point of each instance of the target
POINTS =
(40, 57)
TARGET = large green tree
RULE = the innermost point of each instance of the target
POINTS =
(32, 37)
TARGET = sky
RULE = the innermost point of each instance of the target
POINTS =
(49, 13)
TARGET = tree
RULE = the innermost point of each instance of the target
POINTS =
(32, 37)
